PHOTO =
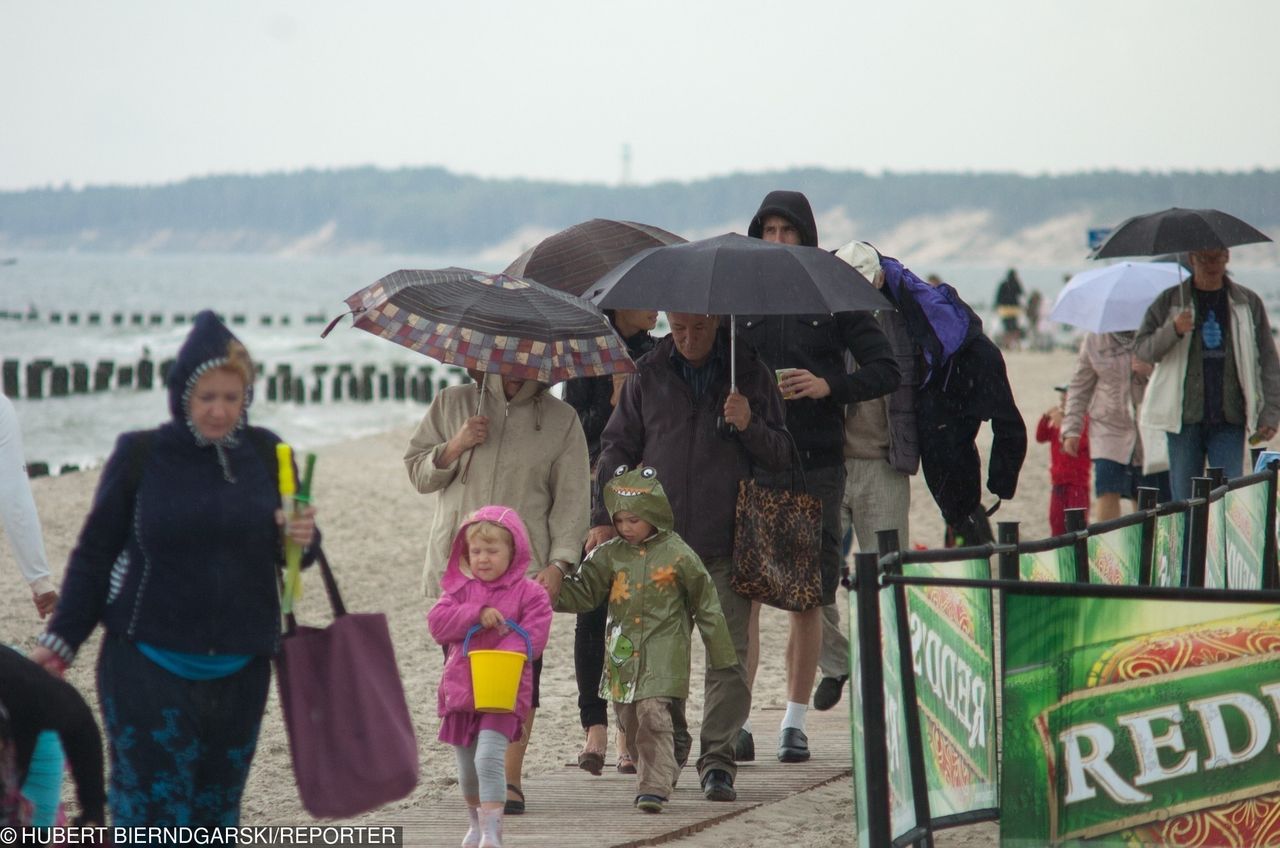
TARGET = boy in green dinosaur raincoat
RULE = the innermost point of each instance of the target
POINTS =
(657, 589)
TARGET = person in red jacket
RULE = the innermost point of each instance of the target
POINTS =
(1068, 474)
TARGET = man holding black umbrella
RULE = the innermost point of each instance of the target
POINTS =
(1217, 374)
(673, 414)
(809, 353)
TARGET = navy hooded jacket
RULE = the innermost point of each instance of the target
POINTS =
(180, 549)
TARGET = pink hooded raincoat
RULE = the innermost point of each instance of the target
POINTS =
(513, 594)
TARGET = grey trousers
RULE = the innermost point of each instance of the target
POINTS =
(727, 701)
(876, 497)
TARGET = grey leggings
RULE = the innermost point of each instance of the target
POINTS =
(482, 767)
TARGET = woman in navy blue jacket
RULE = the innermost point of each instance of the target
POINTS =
(178, 559)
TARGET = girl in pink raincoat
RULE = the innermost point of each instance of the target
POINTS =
(485, 584)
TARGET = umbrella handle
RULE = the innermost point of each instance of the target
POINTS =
(471, 452)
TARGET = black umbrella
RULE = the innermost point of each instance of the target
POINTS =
(1177, 231)
(732, 274)
(574, 258)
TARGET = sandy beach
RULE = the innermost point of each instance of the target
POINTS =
(375, 528)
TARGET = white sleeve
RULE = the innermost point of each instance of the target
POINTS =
(17, 508)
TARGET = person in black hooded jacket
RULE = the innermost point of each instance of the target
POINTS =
(816, 387)
(179, 559)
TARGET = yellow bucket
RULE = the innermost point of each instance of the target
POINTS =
(495, 675)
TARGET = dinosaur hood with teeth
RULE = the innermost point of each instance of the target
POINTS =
(639, 491)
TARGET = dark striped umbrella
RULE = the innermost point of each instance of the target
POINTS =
(574, 258)
(493, 323)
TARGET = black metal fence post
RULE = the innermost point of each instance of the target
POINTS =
(1078, 519)
(1148, 498)
(874, 727)
(1197, 531)
(1270, 554)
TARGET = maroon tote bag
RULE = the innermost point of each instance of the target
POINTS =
(349, 729)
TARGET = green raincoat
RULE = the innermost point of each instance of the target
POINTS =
(657, 589)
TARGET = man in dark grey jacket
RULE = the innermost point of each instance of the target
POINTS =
(817, 387)
(672, 415)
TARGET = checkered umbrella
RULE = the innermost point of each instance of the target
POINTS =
(493, 323)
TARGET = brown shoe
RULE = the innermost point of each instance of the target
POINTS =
(626, 765)
(592, 761)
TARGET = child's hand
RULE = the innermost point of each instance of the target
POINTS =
(491, 618)
(1055, 416)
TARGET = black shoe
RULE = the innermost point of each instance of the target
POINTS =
(744, 750)
(829, 692)
(717, 785)
(650, 803)
(794, 746)
(514, 806)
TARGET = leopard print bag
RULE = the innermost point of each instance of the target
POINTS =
(777, 535)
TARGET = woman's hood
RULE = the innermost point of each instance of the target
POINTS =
(504, 516)
(206, 347)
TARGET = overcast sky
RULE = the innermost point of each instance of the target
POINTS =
(151, 91)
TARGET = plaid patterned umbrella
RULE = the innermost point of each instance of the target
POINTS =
(493, 323)
(574, 258)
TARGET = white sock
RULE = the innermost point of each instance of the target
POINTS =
(746, 725)
(794, 716)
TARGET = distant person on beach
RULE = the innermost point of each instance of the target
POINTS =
(1068, 472)
(672, 414)
(656, 589)
(1106, 390)
(1008, 310)
(33, 703)
(485, 586)
(179, 559)
(881, 452)
(817, 386)
(508, 441)
(594, 399)
(1217, 375)
(1035, 302)
(18, 512)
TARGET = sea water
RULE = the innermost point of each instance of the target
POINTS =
(81, 429)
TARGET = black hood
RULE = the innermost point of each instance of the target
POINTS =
(793, 206)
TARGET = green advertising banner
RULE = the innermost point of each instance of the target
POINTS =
(1166, 557)
(1140, 722)
(1215, 551)
(953, 655)
(1116, 557)
(1055, 566)
(1246, 528)
(902, 816)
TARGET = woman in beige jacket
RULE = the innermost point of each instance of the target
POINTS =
(524, 449)
(1108, 384)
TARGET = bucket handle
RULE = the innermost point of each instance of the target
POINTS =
(475, 628)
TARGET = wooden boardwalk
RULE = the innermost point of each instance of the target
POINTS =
(569, 808)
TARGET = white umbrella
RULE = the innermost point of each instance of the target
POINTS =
(1114, 299)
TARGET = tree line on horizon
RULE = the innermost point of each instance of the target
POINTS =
(431, 209)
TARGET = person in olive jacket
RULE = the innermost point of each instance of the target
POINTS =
(816, 386)
(657, 588)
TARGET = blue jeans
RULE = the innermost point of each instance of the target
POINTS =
(1222, 444)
